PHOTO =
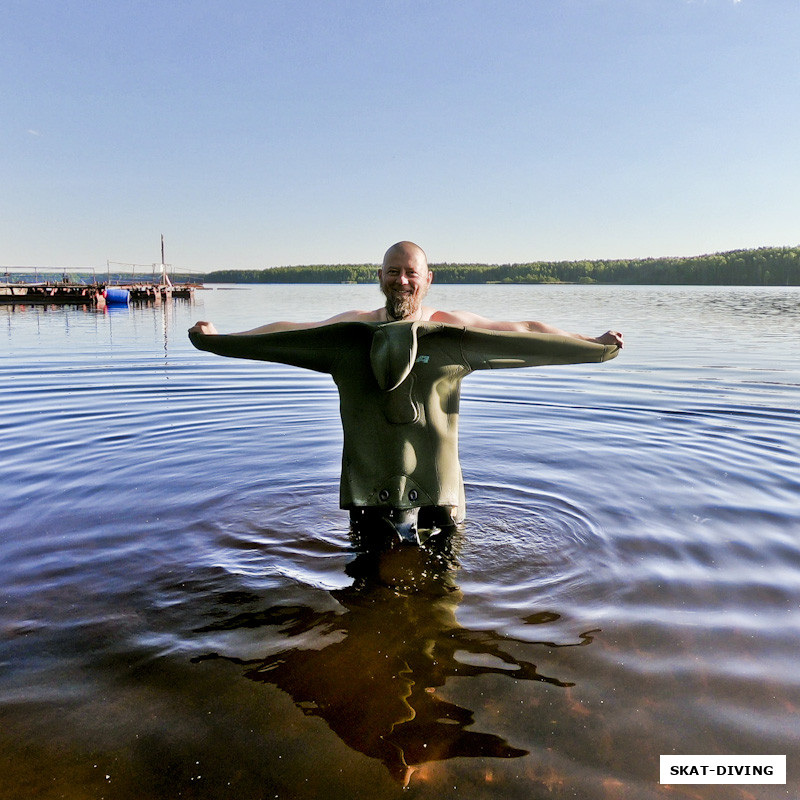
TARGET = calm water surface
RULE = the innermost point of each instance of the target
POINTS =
(183, 612)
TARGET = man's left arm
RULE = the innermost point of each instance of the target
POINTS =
(470, 320)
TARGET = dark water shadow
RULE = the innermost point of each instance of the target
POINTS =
(396, 640)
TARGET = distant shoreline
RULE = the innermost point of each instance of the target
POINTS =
(766, 266)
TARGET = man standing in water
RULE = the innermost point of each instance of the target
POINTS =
(399, 370)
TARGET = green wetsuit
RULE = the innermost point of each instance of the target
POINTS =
(399, 388)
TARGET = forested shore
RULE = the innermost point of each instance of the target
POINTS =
(766, 266)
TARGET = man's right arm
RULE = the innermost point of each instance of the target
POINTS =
(208, 328)
(310, 346)
(274, 327)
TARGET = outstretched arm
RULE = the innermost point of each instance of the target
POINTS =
(471, 320)
(273, 327)
(315, 347)
(208, 328)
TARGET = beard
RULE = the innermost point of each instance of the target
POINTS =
(401, 305)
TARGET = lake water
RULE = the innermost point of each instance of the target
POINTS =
(183, 612)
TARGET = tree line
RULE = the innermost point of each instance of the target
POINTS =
(766, 266)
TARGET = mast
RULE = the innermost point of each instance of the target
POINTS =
(165, 281)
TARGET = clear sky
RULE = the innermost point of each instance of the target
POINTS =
(255, 133)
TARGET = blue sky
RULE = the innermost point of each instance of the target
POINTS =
(254, 134)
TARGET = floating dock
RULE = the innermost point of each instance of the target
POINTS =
(81, 286)
(60, 293)
(47, 293)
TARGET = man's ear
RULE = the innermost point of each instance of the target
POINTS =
(430, 277)
(380, 274)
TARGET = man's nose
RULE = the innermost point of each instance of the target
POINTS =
(403, 280)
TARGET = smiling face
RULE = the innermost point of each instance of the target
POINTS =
(404, 279)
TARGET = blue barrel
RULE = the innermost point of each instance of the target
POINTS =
(117, 297)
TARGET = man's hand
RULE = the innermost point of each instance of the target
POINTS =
(611, 337)
(203, 327)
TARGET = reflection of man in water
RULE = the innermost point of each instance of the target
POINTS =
(376, 670)
(399, 370)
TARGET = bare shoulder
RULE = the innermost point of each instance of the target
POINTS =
(453, 317)
(353, 316)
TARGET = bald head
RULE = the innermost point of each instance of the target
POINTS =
(405, 250)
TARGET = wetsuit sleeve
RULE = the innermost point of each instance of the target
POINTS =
(484, 349)
(310, 348)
